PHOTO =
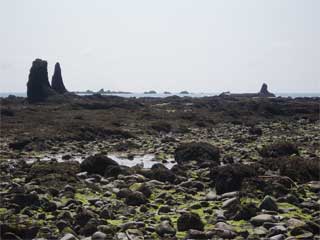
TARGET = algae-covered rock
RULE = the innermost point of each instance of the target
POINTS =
(229, 178)
(199, 152)
(189, 220)
(279, 149)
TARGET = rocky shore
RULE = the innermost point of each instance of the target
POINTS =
(221, 168)
(235, 166)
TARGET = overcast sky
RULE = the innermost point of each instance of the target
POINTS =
(200, 46)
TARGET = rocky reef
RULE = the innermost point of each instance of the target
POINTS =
(57, 81)
(220, 168)
(263, 93)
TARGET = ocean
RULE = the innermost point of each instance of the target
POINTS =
(162, 95)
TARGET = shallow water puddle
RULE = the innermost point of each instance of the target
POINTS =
(145, 161)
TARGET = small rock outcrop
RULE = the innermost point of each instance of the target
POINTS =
(264, 91)
(57, 81)
(38, 86)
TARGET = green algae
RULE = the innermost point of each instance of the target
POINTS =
(181, 235)
(3, 211)
(249, 200)
(115, 222)
(294, 212)
(85, 195)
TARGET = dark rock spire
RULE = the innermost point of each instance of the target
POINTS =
(57, 82)
(38, 87)
(264, 91)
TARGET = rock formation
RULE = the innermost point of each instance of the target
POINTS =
(38, 87)
(264, 91)
(57, 82)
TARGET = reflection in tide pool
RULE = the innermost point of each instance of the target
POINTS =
(145, 161)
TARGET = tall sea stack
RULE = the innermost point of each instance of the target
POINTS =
(264, 91)
(38, 86)
(57, 82)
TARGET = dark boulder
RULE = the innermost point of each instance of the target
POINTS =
(189, 221)
(255, 131)
(23, 231)
(7, 112)
(135, 198)
(24, 200)
(115, 170)
(54, 174)
(19, 144)
(83, 216)
(165, 228)
(57, 81)
(38, 87)
(229, 178)
(162, 173)
(161, 126)
(98, 164)
(200, 152)
(297, 168)
(279, 149)
(246, 211)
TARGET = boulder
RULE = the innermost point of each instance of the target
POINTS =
(200, 152)
(279, 149)
(189, 220)
(165, 229)
(54, 174)
(115, 170)
(27, 199)
(162, 173)
(97, 164)
(229, 178)
(38, 87)
(268, 203)
(57, 81)
(136, 198)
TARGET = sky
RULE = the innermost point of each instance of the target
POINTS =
(164, 45)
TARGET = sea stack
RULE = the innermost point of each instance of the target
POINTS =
(38, 86)
(57, 81)
(264, 91)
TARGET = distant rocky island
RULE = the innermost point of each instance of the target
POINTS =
(102, 91)
(262, 93)
(150, 92)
